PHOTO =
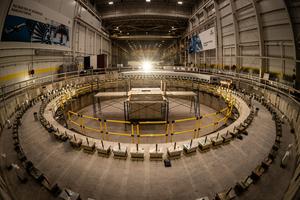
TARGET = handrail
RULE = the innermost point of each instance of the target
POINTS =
(5, 89)
(169, 127)
(21, 85)
(241, 75)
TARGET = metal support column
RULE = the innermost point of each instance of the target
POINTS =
(167, 103)
(236, 33)
(260, 38)
(125, 111)
(99, 106)
(94, 106)
(219, 36)
(198, 103)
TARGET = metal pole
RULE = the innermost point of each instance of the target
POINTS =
(94, 105)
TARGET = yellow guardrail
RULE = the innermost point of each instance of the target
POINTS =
(184, 131)
(75, 123)
(166, 127)
(153, 122)
(119, 134)
(152, 135)
(89, 117)
(185, 120)
(169, 128)
(109, 132)
(208, 125)
(93, 129)
(118, 121)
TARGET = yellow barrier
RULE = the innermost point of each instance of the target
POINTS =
(77, 124)
(185, 120)
(93, 129)
(118, 121)
(153, 135)
(89, 117)
(208, 125)
(169, 128)
(119, 134)
(153, 122)
(174, 132)
(139, 134)
(184, 131)
(108, 132)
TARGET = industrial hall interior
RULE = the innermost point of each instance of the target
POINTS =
(149, 99)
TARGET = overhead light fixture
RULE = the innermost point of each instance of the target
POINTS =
(110, 2)
(147, 66)
(179, 2)
(148, 1)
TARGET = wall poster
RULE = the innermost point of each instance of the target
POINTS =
(29, 21)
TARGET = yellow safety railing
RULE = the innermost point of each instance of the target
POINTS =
(164, 134)
(62, 100)
(170, 129)
(194, 129)
(103, 125)
(122, 122)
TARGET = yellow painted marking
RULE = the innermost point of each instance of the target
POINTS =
(24, 74)
(119, 134)
(185, 131)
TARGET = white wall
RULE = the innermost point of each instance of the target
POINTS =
(86, 38)
(247, 32)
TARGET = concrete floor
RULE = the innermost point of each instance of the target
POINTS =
(179, 109)
(203, 174)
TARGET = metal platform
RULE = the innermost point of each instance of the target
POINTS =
(148, 103)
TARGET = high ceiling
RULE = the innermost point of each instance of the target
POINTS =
(138, 17)
(156, 24)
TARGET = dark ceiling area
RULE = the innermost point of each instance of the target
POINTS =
(140, 24)
(146, 25)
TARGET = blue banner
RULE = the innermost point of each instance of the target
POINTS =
(195, 44)
(20, 29)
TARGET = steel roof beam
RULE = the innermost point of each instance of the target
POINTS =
(145, 37)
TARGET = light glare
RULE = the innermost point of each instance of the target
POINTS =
(147, 66)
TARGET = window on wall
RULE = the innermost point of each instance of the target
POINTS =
(210, 10)
(200, 16)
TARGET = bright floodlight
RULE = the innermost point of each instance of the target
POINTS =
(147, 66)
